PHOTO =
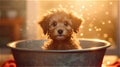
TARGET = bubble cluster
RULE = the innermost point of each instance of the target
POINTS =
(98, 16)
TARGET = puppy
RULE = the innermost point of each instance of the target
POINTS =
(60, 26)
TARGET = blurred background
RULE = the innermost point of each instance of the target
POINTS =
(19, 20)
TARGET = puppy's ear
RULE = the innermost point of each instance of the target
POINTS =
(76, 22)
(44, 24)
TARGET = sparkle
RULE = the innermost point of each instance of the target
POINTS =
(103, 23)
(108, 62)
(97, 29)
(105, 35)
(83, 7)
(110, 39)
(90, 29)
(110, 3)
(81, 26)
(81, 34)
(109, 21)
(103, 65)
(106, 13)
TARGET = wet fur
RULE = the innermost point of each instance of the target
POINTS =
(61, 16)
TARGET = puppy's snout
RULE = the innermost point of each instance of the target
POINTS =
(60, 31)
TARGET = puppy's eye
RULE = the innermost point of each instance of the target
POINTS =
(65, 23)
(54, 23)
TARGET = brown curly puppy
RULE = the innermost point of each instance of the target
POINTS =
(60, 26)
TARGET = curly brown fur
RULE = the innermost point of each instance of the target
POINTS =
(60, 26)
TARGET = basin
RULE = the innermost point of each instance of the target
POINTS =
(27, 53)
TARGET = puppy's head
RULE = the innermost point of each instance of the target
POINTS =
(60, 25)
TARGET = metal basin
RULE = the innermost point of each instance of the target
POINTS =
(27, 53)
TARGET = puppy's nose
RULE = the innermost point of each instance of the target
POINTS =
(60, 31)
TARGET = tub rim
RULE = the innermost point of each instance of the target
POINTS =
(107, 44)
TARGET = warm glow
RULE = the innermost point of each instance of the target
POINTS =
(103, 65)
(111, 3)
(109, 21)
(103, 23)
(105, 35)
(93, 47)
(81, 26)
(99, 16)
(90, 29)
(81, 34)
(107, 13)
(108, 62)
